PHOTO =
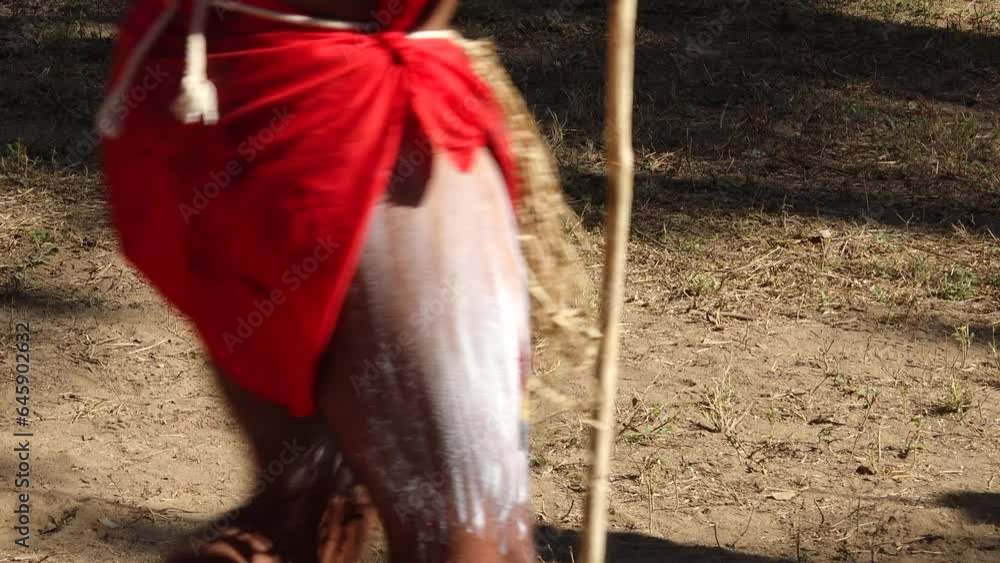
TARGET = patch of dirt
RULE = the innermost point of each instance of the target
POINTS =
(837, 440)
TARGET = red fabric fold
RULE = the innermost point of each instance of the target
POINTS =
(253, 227)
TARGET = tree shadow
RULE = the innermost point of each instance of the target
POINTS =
(738, 194)
(138, 528)
(907, 60)
(760, 98)
(557, 545)
(980, 508)
(53, 68)
(42, 302)
(739, 105)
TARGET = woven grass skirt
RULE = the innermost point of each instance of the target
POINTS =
(561, 315)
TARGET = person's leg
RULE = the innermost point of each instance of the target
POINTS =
(422, 382)
(422, 387)
(307, 506)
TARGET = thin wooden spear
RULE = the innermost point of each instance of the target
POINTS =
(618, 135)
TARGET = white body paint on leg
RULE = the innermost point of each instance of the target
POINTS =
(450, 380)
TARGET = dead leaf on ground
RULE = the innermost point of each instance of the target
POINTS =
(783, 495)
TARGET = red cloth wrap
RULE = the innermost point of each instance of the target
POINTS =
(253, 227)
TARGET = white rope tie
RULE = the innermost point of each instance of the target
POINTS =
(109, 120)
(301, 19)
(198, 100)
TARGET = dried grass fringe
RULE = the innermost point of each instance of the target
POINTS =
(562, 316)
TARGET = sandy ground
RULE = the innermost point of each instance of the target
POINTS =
(836, 444)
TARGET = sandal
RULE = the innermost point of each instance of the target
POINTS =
(315, 515)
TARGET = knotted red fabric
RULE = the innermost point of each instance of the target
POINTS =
(252, 227)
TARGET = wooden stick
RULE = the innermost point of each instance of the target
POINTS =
(618, 135)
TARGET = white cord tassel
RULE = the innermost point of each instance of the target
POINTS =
(198, 100)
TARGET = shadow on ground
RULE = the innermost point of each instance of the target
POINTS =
(771, 106)
(980, 508)
(737, 194)
(42, 302)
(717, 51)
(556, 545)
(752, 106)
(159, 533)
